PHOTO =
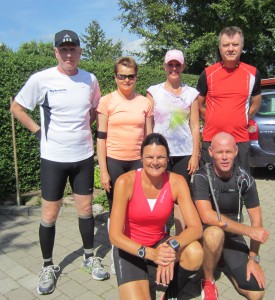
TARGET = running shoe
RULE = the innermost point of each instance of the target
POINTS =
(209, 290)
(93, 266)
(47, 279)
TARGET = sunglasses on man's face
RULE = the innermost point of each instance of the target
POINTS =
(123, 77)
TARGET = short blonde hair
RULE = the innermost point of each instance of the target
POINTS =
(126, 61)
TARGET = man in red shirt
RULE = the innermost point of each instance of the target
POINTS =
(230, 95)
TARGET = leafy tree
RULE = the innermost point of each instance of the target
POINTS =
(37, 48)
(97, 47)
(4, 48)
(193, 26)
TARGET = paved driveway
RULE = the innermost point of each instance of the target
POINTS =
(20, 258)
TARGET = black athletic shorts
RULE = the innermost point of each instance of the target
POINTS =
(235, 257)
(131, 268)
(54, 177)
(179, 165)
(116, 168)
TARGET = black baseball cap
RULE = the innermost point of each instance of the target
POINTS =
(66, 36)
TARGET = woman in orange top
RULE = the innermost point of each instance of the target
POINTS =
(124, 119)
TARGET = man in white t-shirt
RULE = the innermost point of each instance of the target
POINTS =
(67, 97)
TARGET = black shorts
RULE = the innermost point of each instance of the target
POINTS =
(179, 165)
(131, 268)
(235, 257)
(54, 177)
(116, 168)
(240, 160)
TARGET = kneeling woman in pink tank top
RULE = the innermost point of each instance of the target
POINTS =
(144, 253)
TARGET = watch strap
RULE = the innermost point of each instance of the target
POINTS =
(256, 258)
(174, 244)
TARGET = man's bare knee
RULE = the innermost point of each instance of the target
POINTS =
(84, 204)
(50, 211)
(213, 237)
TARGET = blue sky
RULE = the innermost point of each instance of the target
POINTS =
(27, 20)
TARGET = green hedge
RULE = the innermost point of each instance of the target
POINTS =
(15, 69)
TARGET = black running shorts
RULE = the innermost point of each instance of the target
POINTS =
(54, 177)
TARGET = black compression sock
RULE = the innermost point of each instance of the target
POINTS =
(46, 238)
(181, 278)
(86, 228)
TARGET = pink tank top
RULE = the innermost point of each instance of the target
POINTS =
(143, 225)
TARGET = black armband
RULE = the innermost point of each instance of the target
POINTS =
(38, 134)
(101, 135)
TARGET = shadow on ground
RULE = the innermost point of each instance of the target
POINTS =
(263, 173)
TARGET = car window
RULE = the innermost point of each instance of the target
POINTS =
(267, 105)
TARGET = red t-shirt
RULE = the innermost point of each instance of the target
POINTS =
(143, 225)
(228, 93)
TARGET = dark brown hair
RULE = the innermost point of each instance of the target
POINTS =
(155, 138)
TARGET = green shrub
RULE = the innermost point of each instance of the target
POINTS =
(97, 183)
(102, 199)
(15, 69)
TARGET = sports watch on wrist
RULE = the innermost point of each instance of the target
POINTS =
(141, 252)
(174, 244)
(256, 258)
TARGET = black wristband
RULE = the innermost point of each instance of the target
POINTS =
(101, 135)
(38, 134)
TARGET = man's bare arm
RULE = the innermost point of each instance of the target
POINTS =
(255, 103)
(202, 109)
